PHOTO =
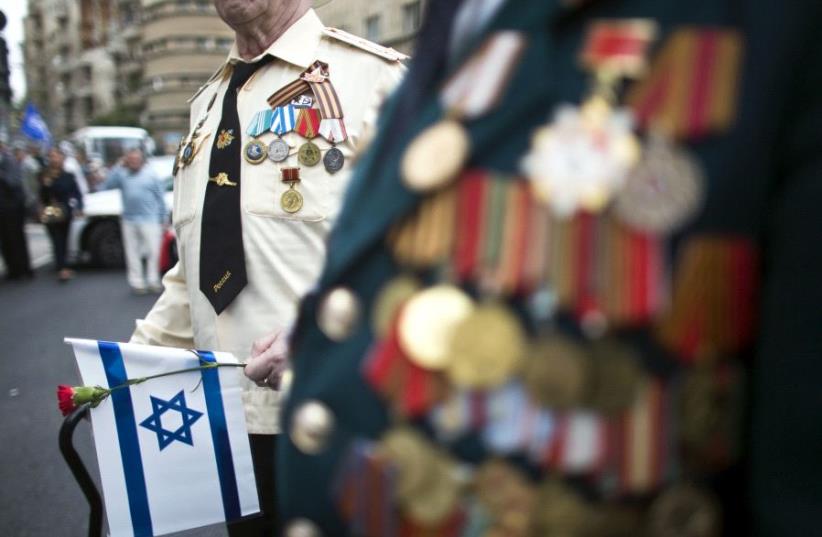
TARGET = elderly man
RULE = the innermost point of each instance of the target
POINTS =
(258, 183)
(144, 213)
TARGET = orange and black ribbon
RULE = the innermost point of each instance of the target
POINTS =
(691, 89)
(314, 79)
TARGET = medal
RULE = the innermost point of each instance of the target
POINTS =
(309, 154)
(436, 156)
(557, 373)
(255, 152)
(583, 156)
(685, 510)
(427, 323)
(487, 348)
(333, 160)
(389, 300)
(291, 201)
(188, 153)
(616, 376)
(561, 511)
(278, 150)
(663, 192)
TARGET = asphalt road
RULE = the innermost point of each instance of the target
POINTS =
(38, 495)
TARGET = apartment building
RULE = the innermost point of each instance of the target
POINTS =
(183, 43)
(393, 23)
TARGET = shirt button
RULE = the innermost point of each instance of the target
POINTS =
(302, 527)
(311, 427)
(339, 313)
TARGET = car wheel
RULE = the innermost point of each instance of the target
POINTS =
(105, 243)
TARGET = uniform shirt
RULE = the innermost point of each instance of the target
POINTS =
(284, 252)
(142, 194)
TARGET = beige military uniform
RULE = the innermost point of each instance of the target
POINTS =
(284, 252)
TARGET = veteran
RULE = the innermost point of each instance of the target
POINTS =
(258, 182)
(575, 291)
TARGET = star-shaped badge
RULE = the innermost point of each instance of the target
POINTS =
(183, 432)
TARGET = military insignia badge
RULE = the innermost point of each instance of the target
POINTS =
(225, 138)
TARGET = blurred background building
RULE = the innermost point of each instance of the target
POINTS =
(136, 62)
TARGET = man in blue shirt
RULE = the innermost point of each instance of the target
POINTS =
(144, 212)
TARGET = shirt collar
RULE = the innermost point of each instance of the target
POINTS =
(297, 46)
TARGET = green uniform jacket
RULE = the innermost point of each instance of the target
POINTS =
(764, 182)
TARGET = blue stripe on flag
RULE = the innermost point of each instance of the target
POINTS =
(219, 436)
(127, 434)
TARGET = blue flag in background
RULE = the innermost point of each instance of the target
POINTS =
(34, 126)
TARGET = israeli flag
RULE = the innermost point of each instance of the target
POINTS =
(33, 125)
(173, 451)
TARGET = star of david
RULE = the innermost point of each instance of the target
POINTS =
(155, 423)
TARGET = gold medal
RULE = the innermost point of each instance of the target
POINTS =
(617, 376)
(556, 373)
(427, 324)
(291, 201)
(507, 495)
(388, 301)
(684, 510)
(561, 511)
(309, 154)
(435, 156)
(487, 348)
(439, 499)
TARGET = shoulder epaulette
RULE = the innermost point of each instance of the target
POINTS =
(219, 73)
(386, 53)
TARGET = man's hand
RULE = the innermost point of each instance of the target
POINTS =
(269, 359)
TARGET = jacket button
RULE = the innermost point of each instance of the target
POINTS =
(338, 314)
(302, 527)
(311, 427)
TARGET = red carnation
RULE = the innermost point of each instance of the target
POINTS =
(65, 399)
(70, 397)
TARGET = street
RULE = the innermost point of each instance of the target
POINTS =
(39, 496)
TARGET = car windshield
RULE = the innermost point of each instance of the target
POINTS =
(111, 149)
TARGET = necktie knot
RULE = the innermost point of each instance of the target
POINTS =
(243, 71)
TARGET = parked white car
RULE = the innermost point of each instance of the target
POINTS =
(95, 237)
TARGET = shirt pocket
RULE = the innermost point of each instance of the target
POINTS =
(187, 185)
(263, 187)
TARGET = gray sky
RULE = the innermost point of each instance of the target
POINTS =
(15, 10)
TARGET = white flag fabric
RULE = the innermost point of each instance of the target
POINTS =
(173, 452)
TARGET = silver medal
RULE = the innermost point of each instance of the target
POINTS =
(278, 150)
(333, 160)
(663, 192)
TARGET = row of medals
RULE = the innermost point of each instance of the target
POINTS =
(587, 159)
(256, 152)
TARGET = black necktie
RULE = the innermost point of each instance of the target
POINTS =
(222, 258)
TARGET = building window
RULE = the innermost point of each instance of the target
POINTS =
(411, 14)
(372, 28)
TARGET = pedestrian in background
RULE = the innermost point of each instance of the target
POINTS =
(30, 170)
(60, 200)
(12, 218)
(144, 213)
